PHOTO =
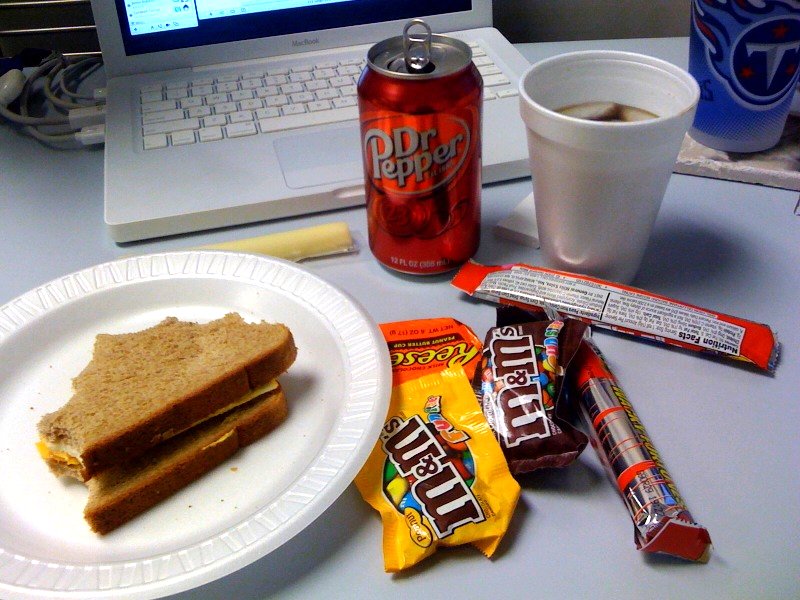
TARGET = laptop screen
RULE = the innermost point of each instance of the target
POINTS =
(158, 25)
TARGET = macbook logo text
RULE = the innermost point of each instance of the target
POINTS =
(305, 42)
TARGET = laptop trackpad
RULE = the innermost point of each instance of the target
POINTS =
(323, 157)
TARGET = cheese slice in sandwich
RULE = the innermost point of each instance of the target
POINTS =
(120, 493)
(145, 387)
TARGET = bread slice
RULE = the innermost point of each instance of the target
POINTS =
(122, 492)
(142, 388)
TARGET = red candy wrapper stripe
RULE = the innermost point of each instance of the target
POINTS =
(624, 309)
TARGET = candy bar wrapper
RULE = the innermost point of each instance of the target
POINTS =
(423, 346)
(437, 475)
(519, 386)
(662, 523)
(624, 309)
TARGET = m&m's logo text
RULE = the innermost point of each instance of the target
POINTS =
(445, 498)
(521, 413)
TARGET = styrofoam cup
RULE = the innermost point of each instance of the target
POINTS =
(598, 186)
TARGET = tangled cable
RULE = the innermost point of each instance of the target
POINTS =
(74, 117)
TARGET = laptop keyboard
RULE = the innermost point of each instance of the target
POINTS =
(211, 108)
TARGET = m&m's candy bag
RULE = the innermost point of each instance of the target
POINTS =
(519, 384)
(437, 475)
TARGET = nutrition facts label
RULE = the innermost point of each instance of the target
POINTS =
(613, 307)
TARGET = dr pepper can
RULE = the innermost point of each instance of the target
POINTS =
(420, 102)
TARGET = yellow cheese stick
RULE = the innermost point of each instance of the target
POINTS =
(298, 244)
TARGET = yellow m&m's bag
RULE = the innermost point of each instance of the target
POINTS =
(437, 474)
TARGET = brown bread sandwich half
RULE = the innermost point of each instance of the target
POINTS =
(155, 409)
(121, 492)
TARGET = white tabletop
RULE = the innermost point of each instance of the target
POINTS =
(728, 435)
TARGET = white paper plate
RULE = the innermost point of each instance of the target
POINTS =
(338, 392)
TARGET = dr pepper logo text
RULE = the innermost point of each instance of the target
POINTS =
(408, 155)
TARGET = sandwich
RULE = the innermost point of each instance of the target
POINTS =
(120, 493)
(144, 387)
(157, 408)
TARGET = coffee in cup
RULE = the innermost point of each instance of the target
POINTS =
(606, 111)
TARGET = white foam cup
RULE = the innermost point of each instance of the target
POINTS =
(597, 185)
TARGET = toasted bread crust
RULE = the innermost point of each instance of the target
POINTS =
(120, 493)
(80, 424)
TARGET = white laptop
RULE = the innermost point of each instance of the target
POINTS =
(223, 112)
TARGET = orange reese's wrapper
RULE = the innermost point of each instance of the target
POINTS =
(422, 346)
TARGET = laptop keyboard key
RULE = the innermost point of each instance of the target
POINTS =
(161, 116)
(275, 79)
(251, 83)
(202, 90)
(252, 104)
(199, 111)
(292, 88)
(278, 100)
(269, 90)
(210, 134)
(229, 86)
(492, 80)
(240, 95)
(171, 126)
(217, 98)
(327, 94)
(318, 105)
(190, 102)
(344, 102)
(293, 109)
(177, 94)
(213, 120)
(301, 97)
(240, 116)
(235, 130)
(156, 106)
(268, 113)
(225, 107)
(152, 142)
(182, 138)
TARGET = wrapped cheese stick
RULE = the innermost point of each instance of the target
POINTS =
(298, 244)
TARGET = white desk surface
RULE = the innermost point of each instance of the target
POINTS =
(728, 435)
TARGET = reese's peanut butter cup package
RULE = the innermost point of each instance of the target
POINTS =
(422, 346)
(519, 383)
(437, 475)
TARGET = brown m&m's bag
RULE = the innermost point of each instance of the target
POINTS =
(519, 383)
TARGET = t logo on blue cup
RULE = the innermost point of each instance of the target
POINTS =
(746, 57)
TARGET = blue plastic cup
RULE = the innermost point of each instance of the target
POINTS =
(745, 56)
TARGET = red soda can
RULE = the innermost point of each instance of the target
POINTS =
(420, 105)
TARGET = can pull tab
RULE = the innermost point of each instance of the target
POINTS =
(417, 47)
